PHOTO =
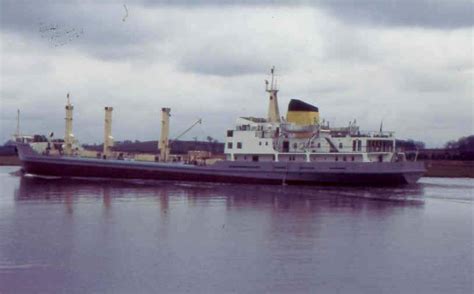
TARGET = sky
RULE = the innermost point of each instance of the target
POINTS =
(408, 63)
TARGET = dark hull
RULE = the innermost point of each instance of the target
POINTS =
(226, 171)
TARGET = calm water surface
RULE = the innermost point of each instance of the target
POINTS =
(85, 236)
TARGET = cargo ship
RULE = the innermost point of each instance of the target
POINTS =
(296, 149)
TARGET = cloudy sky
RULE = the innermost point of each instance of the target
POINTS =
(406, 62)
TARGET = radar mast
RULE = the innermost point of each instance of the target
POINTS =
(273, 111)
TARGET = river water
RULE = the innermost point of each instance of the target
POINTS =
(97, 236)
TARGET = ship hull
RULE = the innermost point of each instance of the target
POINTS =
(297, 173)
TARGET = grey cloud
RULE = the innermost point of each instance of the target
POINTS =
(105, 36)
(423, 13)
(220, 67)
(442, 14)
(244, 45)
(348, 46)
(223, 62)
(432, 81)
(101, 31)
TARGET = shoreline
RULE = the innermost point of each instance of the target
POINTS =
(449, 168)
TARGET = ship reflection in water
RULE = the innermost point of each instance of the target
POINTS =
(92, 236)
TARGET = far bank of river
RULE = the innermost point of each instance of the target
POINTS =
(449, 168)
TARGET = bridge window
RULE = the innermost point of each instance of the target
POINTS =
(239, 145)
(319, 145)
(230, 133)
(359, 145)
(229, 145)
(340, 145)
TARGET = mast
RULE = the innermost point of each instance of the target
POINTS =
(17, 134)
(163, 145)
(273, 111)
(68, 136)
(108, 139)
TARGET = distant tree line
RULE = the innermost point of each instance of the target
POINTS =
(461, 149)
(409, 145)
(177, 147)
(462, 144)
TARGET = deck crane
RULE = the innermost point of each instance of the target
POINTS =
(164, 145)
(170, 142)
(199, 121)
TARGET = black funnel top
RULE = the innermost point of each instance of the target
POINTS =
(298, 105)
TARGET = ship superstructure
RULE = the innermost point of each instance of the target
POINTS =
(301, 137)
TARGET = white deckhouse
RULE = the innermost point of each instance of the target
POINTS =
(300, 137)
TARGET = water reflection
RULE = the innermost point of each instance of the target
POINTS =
(232, 197)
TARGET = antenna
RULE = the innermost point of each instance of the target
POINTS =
(68, 99)
(272, 71)
(273, 81)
